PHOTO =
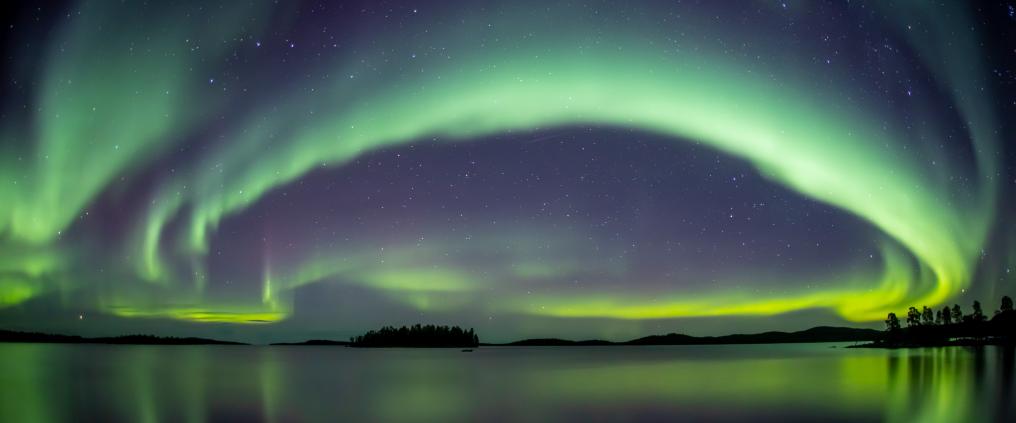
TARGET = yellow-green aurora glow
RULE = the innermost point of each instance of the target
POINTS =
(139, 120)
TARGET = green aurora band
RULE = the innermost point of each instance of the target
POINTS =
(803, 136)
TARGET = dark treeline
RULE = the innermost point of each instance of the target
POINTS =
(950, 326)
(417, 336)
(35, 337)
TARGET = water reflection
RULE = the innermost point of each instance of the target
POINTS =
(758, 383)
(951, 384)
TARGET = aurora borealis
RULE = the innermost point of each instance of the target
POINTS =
(271, 171)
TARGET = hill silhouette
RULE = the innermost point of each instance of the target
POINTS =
(555, 342)
(314, 342)
(816, 334)
(35, 337)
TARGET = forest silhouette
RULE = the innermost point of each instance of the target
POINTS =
(417, 336)
(950, 326)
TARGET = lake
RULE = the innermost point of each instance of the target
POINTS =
(799, 382)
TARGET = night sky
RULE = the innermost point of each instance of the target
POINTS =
(265, 172)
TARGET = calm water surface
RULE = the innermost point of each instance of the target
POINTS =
(52, 382)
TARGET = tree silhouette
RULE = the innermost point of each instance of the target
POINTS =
(1006, 304)
(978, 315)
(913, 317)
(946, 316)
(957, 314)
(892, 324)
(927, 316)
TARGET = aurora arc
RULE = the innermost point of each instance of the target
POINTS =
(827, 150)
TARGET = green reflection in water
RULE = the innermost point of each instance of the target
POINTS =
(950, 384)
(43, 383)
(848, 386)
(421, 389)
(138, 381)
(23, 393)
(269, 373)
(192, 365)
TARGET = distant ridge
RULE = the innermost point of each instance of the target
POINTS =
(815, 334)
(548, 342)
(35, 337)
(314, 342)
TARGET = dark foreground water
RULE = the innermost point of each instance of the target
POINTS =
(40, 382)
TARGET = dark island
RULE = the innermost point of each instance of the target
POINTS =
(949, 326)
(417, 336)
(35, 337)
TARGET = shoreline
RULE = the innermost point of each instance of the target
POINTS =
(964, 343)
(819, 334)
